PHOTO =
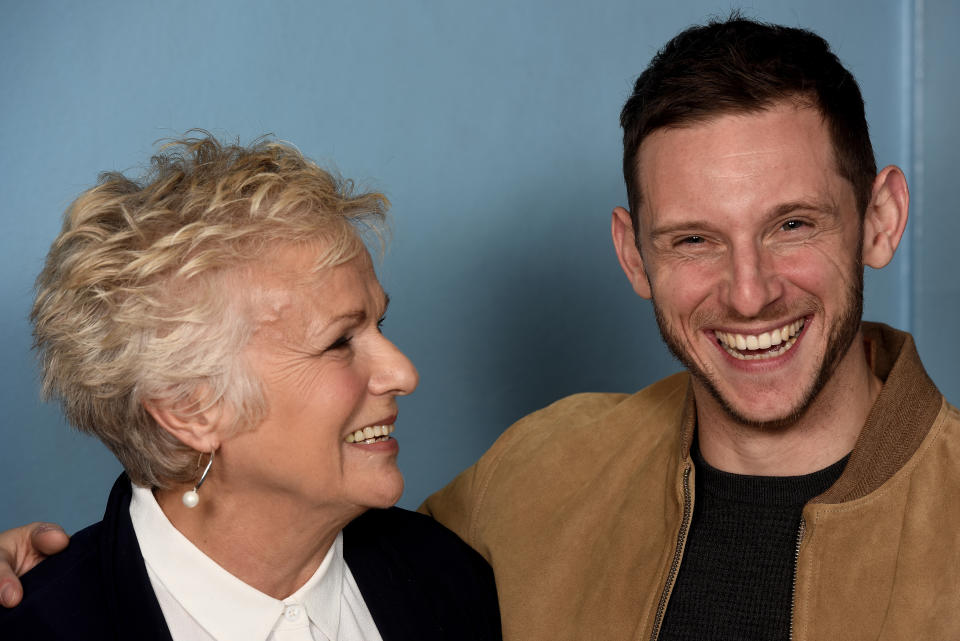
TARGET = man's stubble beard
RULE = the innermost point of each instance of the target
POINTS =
(842, 334)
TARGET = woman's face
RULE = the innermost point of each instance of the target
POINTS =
(327, 373)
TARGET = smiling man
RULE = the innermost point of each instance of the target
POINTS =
(799, 481)
(750, 245)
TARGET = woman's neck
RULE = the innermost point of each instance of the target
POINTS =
(270, 543)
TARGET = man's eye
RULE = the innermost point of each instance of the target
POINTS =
(692, 240)
(791, 225)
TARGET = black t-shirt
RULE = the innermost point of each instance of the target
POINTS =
(736, 579)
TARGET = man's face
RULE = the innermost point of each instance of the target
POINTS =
(750, 242)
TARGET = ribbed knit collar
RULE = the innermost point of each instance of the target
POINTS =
(783, 491)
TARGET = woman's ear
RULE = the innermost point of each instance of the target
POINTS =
(195, 422)
(625, 244)
(886, 217)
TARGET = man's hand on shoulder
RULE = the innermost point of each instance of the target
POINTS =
(22, 548)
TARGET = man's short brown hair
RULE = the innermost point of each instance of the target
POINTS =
(742, 66)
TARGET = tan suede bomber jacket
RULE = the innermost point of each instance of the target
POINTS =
(582, 509)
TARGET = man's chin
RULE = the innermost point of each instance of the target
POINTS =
(768, 422)
(773, 416)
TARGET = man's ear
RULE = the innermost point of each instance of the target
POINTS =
(886, 217)
(624, 241)
(194, 422)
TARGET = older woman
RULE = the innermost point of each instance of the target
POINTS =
(217, 326)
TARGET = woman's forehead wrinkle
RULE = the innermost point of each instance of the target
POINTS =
(302, 304)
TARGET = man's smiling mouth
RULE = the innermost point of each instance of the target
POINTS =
(750, 347)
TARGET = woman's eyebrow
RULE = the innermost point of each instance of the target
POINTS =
(355, 316)
(386, 303)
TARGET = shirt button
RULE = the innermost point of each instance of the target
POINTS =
(292, 613)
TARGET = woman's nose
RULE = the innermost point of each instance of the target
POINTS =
(394, 373)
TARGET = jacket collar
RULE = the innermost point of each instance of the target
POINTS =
(129, 594)
(897, 423)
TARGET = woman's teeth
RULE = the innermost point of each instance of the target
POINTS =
(764, 345)
(370, 434)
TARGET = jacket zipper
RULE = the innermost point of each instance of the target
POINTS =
(677, 556)
(796, 569)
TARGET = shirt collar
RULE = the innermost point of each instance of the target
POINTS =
(221, 603)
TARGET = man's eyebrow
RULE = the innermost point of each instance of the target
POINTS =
(809, 205)
(688, 227)
(782, 209)
(685, 226)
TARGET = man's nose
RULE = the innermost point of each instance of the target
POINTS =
(752, 281)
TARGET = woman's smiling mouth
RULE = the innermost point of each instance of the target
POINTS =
(370, 434)
(748, 347)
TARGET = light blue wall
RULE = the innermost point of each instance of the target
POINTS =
(936, 213)
(493, 128)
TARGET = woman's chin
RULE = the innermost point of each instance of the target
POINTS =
(389, 493)
(377, 491)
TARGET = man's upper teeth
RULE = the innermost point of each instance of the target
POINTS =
(368, 433)
(766, 340)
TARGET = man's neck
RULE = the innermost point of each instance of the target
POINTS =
(823, 435)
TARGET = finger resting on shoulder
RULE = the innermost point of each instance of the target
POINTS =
(10, 590)
(48, 538)
(20, 550)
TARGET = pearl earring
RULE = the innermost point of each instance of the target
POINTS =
(192, 497)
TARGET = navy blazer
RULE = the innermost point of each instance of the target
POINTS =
(419, 580)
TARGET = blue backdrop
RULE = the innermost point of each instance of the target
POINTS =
(492, 126)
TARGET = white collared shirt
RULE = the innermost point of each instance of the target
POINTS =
(201, 601)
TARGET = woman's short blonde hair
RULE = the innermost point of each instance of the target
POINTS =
(134, 304)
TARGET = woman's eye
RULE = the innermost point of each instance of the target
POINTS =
(380, 323)
(340, 343)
